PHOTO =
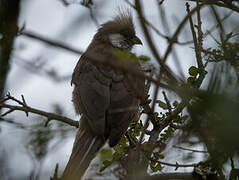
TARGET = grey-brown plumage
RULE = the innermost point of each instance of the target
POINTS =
(107, 99)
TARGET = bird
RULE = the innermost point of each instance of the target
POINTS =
(106, 98)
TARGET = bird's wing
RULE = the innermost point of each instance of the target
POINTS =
(91, 95)
(135, 85)
(124, 105)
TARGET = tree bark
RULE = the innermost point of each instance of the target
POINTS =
(9, 11)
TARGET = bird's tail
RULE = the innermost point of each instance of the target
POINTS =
(85, 147)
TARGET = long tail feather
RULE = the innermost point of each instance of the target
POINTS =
(84, 150)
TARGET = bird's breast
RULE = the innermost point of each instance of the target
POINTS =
(115, 76)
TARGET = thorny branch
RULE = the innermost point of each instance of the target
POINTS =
(176, 165)
(27, 109)
(158, 127)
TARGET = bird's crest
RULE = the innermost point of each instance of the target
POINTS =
(125, 19)
(122, 22)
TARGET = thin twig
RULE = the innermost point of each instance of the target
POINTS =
(192, 150)
(218, 3)
(150, 116)
(7, 112)
(217, 25)
(166, 28)
(197, 44)
(200, 38)
(176, 165)
(156, 30)
(232, 163)
(153, 49)
(4, 99)
(195, 41)
(178, 30)
(167, 102)
(9, 121)
(222, 31)
(174, 113)
(88, 5)
(49, 41)
(175, 126)
(65, 2)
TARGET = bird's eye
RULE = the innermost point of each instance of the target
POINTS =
(127, 33)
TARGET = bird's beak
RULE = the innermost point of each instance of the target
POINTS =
(136, 40)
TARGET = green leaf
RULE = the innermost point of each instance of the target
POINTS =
(162, 104)
(175, 104)
(156, 167)
(105, 154)
(190, 80)
(123, 141)
(119, 148)
(117, 156)
(144, 58)
(193, 71)
(137, 130)
(158, 155)
(106, 164)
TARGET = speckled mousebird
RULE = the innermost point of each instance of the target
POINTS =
(105, 98)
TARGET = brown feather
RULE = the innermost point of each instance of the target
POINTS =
(106, 98)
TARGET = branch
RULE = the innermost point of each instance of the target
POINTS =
(167, 102)
(220, 4)
(156, 30)
(195, 40)
(197, 44)
(176, 165)
(192, 150)
(9, 121)
(100, 59)
(88, 4)
(167, 121)
(27, 109)
(178, 30)
(152, 46)
(49, 41)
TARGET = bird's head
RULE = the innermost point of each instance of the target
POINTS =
(119, 32)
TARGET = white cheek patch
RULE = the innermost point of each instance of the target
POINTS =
(118, 40)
